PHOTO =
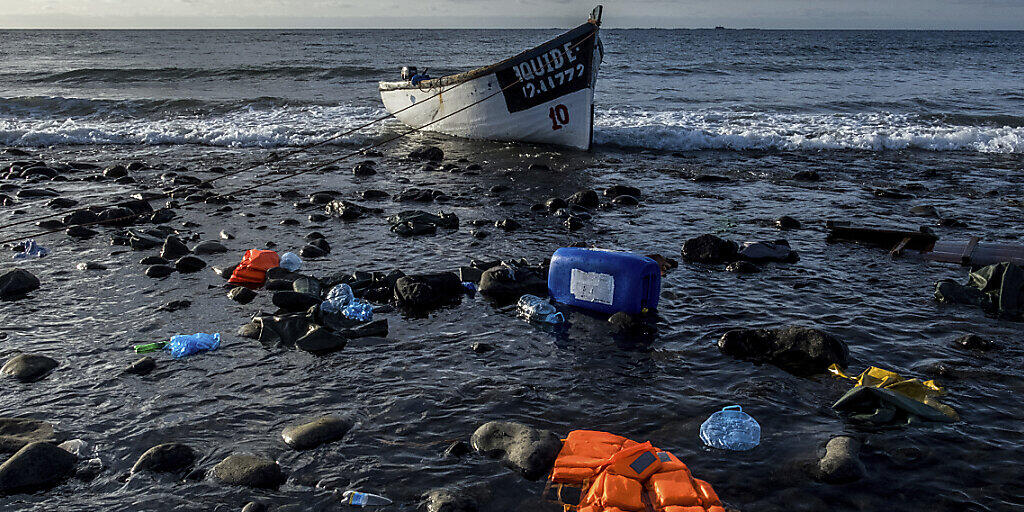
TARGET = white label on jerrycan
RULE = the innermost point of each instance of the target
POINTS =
(592, 286)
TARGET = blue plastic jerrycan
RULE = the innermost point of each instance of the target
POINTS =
(731, 429)
(604, 281)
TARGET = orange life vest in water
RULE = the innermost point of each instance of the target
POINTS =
(252, 270)
(620, 475)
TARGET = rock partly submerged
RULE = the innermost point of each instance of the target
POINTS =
(249, 471)
(801, 351)
(166, 458)
(15, 433)
(35, 466)
(322, 430)
(528, 451)
(28, 367)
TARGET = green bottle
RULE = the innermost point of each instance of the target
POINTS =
(150, 347)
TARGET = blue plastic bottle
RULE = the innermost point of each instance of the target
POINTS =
(731, 429)
(290, 262)
(339, 297)
(358, 310)
(364, 499)
(536, 309)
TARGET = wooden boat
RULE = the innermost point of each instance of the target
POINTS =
(543, 95)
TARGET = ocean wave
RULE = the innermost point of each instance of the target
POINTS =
(742, 131)
(241, 127)
(119, 75)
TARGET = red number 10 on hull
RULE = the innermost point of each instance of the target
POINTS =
(559, 115)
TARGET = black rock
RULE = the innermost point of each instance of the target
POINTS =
(153, 260)
(161, 216)
(250, 471)
(481, 347)
(364, 169)
(295, 301)
(806, 176)
(787, 222)
(61, 202)
(347, 210)
(797, 350)
(15, 433)
(35, 466)
(80, 232)
(326, 429)
(449, 500)
(841, 464)
(312, 252)
(52, 225)
(427, 290)
(502, 284)
(763, 252)
(573, 223)
(241, 295)
(432, 153)
(555, 203)
(173, 249)
(584, 198)
(631, 325)
(625, 200)
(622, 190)
(742, 267)
(225, 272)
(175, 305)
(117, 216)
(709, 249)
(374, 195)
(159, 271)
(115, 171)
(973, 342)
(255, 506)
(166, 458)
(320, 340)
(189, 264)
(209, 247)
(308, 285)
(79, 217)
(508, 224)
(528, 451)
(142, 366)
(17, 283)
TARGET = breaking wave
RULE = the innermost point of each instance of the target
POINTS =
(739, 131)
(275, 122)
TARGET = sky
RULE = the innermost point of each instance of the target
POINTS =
(797, 14)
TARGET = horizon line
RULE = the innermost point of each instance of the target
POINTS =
(716, 28)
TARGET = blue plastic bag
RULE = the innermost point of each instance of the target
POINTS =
(32, 250)
(182, 345)
(339, 297)
(358, 310)
(731, 429)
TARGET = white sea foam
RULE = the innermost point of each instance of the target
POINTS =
(688, 131)
(245, 127)
(263, 124)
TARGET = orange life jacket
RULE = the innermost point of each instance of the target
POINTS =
(620, 475)
(252, 270)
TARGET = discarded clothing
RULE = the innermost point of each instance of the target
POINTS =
(621, 475)
(998, 289)
(313, 331)
(416, 222)
(882, 396)
(252, 270)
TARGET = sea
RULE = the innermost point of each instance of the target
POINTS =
(723, 131)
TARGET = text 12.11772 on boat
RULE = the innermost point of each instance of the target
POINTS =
(544, 95)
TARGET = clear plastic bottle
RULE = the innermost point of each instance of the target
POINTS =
(364, 499)
(337, 299)
(358, 310)
(536, 309)
(290, 262)
(731, 429)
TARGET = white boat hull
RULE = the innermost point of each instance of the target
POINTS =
(552, 106)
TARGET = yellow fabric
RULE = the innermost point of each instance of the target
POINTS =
(924, 392)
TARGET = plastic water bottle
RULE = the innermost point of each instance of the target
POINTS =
(337, 299)
(290, 262)
(536, 309)
(364, 499)
(731, 429)
(358, 310)
(182, 345)
(31, 250)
